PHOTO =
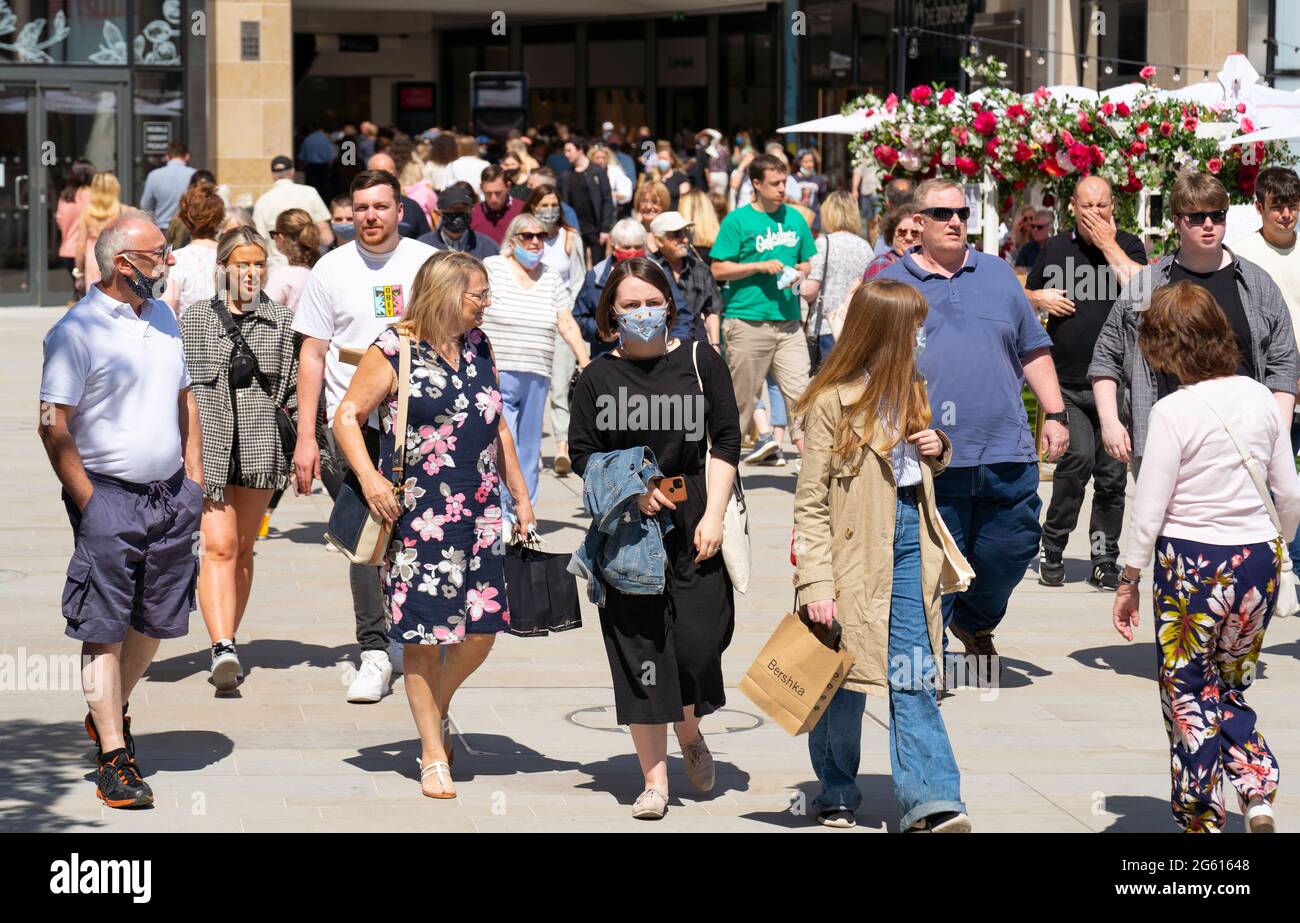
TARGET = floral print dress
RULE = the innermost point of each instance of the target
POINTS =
(444, 574)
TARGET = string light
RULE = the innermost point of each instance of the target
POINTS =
(975, 48)
(913, 49)
(1178, 74)
(1041, 59)
(1108, 68)
(1084, 63)
(1028, 52)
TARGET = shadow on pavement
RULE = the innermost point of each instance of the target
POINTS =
(1137, 659)
(180, 751)
(877, 811)
(753, 481)
(268, 654)
(1141, 814)
(33, 774)
(621, 777)
(310, 533)
(476, 755)
(1077, 570)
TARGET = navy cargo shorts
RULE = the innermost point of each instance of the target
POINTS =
(135, 562)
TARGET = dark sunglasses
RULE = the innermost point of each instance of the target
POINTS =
(1218, 216)
(527, 236)
(942, 213)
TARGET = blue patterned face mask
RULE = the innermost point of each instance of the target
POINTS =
(920, 344)
(644, 324)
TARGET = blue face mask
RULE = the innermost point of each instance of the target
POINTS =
(920, 344)
(527, 258)
(644, 324)
(344, 231)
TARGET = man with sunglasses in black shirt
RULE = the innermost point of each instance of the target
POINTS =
(1256, 311)
(1075, 281)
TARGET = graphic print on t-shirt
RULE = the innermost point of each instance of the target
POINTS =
(388, 301)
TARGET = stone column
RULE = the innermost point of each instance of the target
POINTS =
(251, 117)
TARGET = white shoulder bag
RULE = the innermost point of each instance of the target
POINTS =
(1287, 601)
(735, 519)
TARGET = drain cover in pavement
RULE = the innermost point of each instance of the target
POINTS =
(602, 718)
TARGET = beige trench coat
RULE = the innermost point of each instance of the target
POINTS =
(844, 513)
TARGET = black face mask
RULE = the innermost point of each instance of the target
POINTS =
(456, 222)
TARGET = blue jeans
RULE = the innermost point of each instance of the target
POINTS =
(926, 778)
(992, 513)
(523, 399)
(1294, 547)
(774, 404)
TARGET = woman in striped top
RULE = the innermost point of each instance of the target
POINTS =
(530, 302)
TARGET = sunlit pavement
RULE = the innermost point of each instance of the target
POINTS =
(1072, 741)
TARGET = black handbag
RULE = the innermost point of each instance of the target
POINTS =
(813, 332)
(243, 363)
(542, 594)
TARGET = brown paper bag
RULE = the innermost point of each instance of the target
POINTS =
(795, 675)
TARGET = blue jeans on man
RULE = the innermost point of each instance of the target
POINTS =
(992, 512)
(926, 778)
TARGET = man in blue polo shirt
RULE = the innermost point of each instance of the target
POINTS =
(982, 342)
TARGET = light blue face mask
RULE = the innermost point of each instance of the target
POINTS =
(527, 258)
(644, 324)
(920, 344)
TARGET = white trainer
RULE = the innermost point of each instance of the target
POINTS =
(225, 666)
(372, 680)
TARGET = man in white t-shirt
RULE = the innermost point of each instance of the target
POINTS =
(283, 195)
(1277, 199)
(354, 292)
(121, 430)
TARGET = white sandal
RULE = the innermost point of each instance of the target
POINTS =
(1259, 815)
(443, 771)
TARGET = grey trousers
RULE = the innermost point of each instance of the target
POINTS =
(368, 605)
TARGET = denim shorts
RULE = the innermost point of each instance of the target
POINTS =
(135, 559)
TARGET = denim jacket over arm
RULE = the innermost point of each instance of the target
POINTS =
(621, 545)
(1117, 356)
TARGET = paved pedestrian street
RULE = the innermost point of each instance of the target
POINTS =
(1073, 741)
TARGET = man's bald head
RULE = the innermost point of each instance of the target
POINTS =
(382, 161)
(1092, 188)
(125, 234)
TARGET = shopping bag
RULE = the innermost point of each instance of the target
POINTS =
(543, 595)
(798, 671)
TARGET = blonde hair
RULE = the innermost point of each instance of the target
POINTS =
(105, 201)
(652, 188)
(432, 315)
(697, 208)
(840, 213)
(519, 147)
(411, 173)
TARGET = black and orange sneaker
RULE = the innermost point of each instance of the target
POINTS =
(126, 734)
(119, 784)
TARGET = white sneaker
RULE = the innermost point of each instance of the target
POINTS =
(1259, 815)
(372, 680)
(225, 666)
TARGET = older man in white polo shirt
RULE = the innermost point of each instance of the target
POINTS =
(121, 429)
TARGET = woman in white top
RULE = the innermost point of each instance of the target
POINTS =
(563, 253)
(848, 254)
(620, 184)
(530, 302)
(194, 277)
(1218, 554)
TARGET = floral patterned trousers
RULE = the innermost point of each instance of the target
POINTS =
(1212, 605)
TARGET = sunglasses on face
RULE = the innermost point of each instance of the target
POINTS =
(530, 236)
(1040, 227)
(1218, 216)
(943, 213)
(679, 236)
(907, 233)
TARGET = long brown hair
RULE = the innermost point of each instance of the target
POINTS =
(877, 342)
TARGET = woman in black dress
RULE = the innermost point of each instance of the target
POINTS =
(665, 651)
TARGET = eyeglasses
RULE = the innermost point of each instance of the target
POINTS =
(1218, 216)
(901, 232)
(680, 236)
(529, 236)
(160, 254)
(1040, 227)
(483, 297)
(943, 213)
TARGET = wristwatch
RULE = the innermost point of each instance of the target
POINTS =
(1059, 417)
(1130, 581)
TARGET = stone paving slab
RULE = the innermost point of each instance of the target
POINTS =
(1072, 742)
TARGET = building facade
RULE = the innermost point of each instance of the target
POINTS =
(240, 81)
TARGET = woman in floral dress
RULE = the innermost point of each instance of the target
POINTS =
(444, 575)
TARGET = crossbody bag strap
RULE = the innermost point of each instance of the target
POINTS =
(1251, 465)
(403, 398)
(736, 487)
(237, 338)
(815, 332)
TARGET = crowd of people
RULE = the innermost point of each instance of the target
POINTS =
(468, 287)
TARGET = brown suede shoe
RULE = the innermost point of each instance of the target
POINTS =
(699, 765)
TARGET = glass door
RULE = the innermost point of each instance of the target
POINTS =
(18, 283)
(80, 122)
